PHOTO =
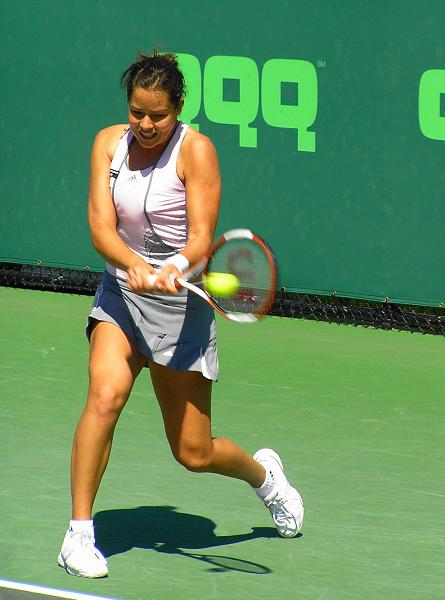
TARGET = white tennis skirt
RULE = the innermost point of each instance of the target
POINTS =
(175, 331)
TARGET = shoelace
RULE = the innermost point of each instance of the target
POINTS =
(87, 539)
(280, 513)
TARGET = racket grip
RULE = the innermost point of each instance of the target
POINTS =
(153, 277)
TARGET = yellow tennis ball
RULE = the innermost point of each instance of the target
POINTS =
(223, 285)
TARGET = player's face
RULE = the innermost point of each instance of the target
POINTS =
(152, 116)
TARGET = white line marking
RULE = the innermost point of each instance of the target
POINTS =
(38, 589)
(425, 493)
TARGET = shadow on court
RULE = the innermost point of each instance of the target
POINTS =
(162, 529)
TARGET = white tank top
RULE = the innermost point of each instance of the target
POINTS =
(150, 203)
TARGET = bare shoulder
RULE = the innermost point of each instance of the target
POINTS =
(107, 139)
(197, 146)
(197, 157)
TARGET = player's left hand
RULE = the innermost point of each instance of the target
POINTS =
(165, 280)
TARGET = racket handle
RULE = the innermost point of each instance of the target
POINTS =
(153, 277)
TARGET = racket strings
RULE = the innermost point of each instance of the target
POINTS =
(253, 266)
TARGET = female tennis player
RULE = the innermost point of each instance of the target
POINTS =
(153, 206)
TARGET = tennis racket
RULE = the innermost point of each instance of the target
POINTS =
(245, 255)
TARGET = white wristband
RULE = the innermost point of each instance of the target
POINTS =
(179, 261)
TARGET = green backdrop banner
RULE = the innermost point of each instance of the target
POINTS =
(329, 120)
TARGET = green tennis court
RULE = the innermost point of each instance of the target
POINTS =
(357, 415)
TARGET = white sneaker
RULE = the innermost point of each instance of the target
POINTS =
(80, 557)
(284, 502)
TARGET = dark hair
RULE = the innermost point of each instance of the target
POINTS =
(155, 72)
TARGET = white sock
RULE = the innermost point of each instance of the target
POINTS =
(268, 485)
(77, 525)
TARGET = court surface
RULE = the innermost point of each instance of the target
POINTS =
(358, 416)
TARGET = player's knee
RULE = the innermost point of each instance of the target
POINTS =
(105, 402)
(196, 460)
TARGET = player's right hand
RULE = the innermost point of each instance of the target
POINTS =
(138, 276)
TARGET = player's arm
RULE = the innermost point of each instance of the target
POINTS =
(199, 169)
(102, 215)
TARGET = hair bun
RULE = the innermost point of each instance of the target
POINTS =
(155, 71)
(171, 58)
(143, 57)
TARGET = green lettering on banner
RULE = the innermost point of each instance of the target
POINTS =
(431, 86)
(191, 70)
(302, 114)
(241, 112)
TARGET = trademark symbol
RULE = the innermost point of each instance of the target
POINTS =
(321, 64)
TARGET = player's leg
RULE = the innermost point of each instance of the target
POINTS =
(114, 365)
(185, 401)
